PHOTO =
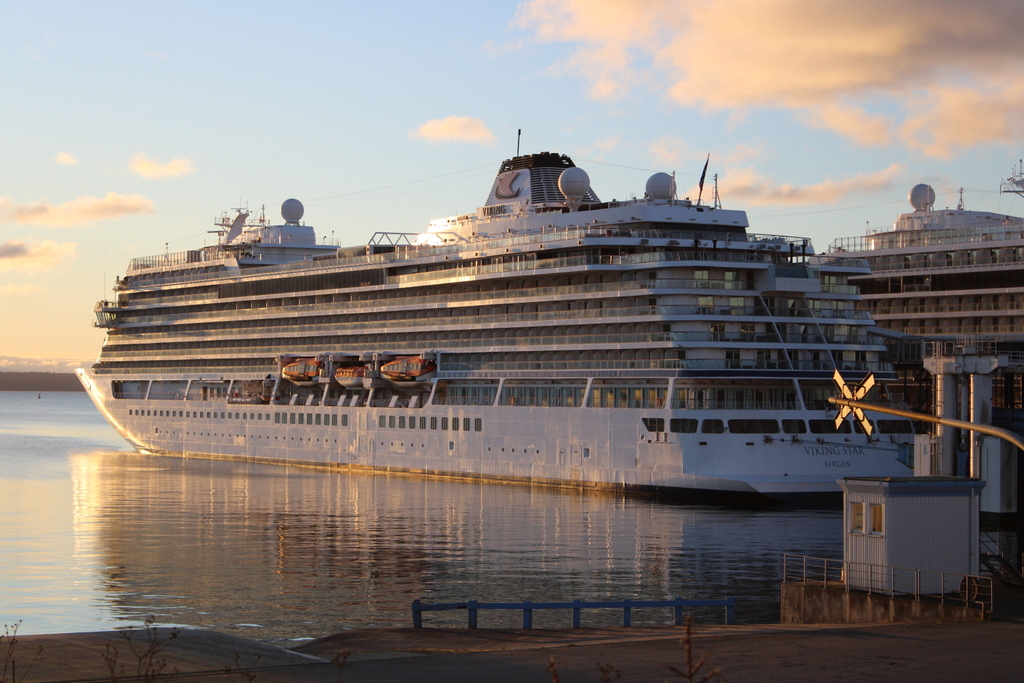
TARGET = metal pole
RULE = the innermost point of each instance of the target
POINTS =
(924, 417)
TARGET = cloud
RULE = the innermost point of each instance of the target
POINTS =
(455, 129)
(45, 364)
(31, 257)
(954, 118)
(674, 152)
(19, 290)
(76, 212)
(839, 65)
(852, 122)
(66, 159)
(746, 184)
(151, 169)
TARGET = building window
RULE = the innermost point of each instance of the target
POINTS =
(478, 424)
(381, 421)
(856, 518)
(391, 421)
(877, 520)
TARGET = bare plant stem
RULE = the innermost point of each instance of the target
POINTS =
(10, 670)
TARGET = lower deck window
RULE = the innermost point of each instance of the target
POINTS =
(712, 427)
(682, 425)
(754, 426)
(794, 427)
(829, 427)
(653, 424)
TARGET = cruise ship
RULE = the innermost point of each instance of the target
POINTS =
(949, 279)
(651, 344)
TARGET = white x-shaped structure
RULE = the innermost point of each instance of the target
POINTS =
(853, 395)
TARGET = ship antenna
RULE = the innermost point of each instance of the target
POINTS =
(519, 136)
(717, 201)
(960, 205)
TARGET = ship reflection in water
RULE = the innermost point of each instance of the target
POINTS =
(283, 553)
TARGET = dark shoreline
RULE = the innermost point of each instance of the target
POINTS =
(39, 381)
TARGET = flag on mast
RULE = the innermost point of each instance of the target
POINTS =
(703, 174)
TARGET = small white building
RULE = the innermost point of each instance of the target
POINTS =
(913, 523)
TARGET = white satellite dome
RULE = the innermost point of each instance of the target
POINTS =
(574, 183)
(660, 186)
(292, 210)
(922, 197)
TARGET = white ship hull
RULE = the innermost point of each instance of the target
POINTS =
(580, 447)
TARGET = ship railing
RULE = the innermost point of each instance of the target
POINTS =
(463, 400)
(661, 364)
(1000, 307)
(839, 289)
(842, 262)
(488, 297)
(188, 257)
(848, 314)
(913, 268)
(507, 337)
(534, 264)
(527, 607)
(167, 395)
(994, 331)
(539, 402)
(945, 588)
(207, 254)
(902, 239)
(730, 404)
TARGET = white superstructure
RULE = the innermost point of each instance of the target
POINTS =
(550, 337)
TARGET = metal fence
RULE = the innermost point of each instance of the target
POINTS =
(627, 606)
(945, 588)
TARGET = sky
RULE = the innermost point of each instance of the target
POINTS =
(127, 128)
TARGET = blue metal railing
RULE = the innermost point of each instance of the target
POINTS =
(472, 606)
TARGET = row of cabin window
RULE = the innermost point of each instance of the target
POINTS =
(759, 426)
(327, 420)
(400, 422)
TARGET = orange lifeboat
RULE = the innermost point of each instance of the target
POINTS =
(302, 369)
(350, 376)
(409, 369)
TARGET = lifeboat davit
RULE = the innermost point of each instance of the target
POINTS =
(302, 370)
(410, 369)
(350, 376)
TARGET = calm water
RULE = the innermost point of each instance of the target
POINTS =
(93, 536)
